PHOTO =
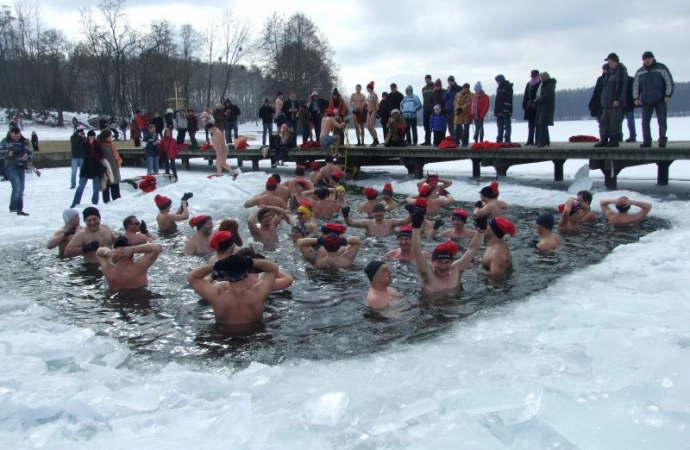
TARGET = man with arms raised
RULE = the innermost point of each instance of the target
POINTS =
(267, 232)
(433, 204)
(119, 267)
(89, 239)
(300, 172)
(269, 197)
(198, 244)
(240, 298)
(328, 125)
(136, 231)
(444, 272)
(378, 225)
(221, 149)
(166, 220)
(438, 185)
(623, 216)
(381, 295)
(324, 202)
(334, 251)
(302, 222)
(64, 235)
(223, 242)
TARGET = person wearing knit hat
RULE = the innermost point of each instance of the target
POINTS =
(438, 185)
(409, 107)
(223, 242)
(544, 228)
(529, 106)
(302, 219)
(380, 295)
(488, 204)
(90, 238)
(328, 138)
(367, 206)
(447, 101)
(478, 110)
(331, 251)
(269, 197)
(404, 250)
(503, 108)
(64, 235)
(387, 197)
(396, 129)
(433, 204)
(335, 178)
(459, 231)
(497, 259)
(323, 175)
(198, 244)
(443, 274)
(378, 225)
(165, 219)
(266, 113)
(299, 176)
(298, 231)
(268, 218)
(120, 270)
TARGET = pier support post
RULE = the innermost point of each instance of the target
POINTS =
(558, 169)
(662, 172)
(476, 168)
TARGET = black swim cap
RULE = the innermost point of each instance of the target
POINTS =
(372, 268)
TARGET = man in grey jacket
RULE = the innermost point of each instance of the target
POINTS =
(181, 125)
(652, 89)
(613, 100)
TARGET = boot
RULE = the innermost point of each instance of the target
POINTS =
(613, 143)
(662, 142)
(603, 141)
(375, 143)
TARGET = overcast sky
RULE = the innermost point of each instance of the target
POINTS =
(401, 41)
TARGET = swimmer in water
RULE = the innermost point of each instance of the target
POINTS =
(489, 205)
(381, 295)
(444, 272)
(119, 267)
(544, 227)
(584, 199)
(438, 185)
(459, 232)
(367, 206)
(429, 228)
(334, 251)
(269, 197)
(571, 213)
(64, 235)
(223, 242)
(136, 231)
(387, 197)
(269, 218)
(283, 280)
(300, 172)
(404, 250)
(232, 226)
(302, 222)
(166, 220)
(623, 216)
(433, 204)
(197, 245)
(323, 176)
(497, 259)
(378, 225)
(90, 238)
(324, 202)
(240, 299)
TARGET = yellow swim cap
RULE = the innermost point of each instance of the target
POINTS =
(305, 210)
(340, 189)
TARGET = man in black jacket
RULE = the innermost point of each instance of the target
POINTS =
(231, 112)
(316, 107)
(395, 97)
(384, 112)
(428, 103)
(595, 102)
(503, 108)
(76, 141)
(266, 115)
(613, 100)
(529, 107)
(629, 111)
(652, 90)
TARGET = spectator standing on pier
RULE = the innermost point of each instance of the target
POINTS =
(613, 101)
(428, 107)
(447, 103)
(480, 106)
(503, 108)
(266, 115)
(653, 88)
(529, 107)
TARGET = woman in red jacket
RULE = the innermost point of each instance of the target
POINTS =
(169, 151)
(478, 110)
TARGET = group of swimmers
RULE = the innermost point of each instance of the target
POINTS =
(237, 279)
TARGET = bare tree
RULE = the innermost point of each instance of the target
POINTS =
(234, 35)
(190, 42)
(208, 39)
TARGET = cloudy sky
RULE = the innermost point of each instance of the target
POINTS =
(402, 41)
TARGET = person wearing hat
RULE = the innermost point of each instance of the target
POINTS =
(652, 90)
(528, 106)
(223, 243)
(462, 118)
(409, 107)
(447, 102)
(427, 107)
(323, 174)
(459, 232)
(269, 218)
(433, 205)
(121, 270)
(497, 259)
(613, 100)
(89, 239)
(316, 107)
(302, 221)
(571, 213)
(444, 273)
(404, 250)
(383, 113)
(503, 108)
(16, 153)
(438, 124)
(91, 168)
(489, 205)
(165, 219)
(331, 251)
(623, 216)
(548, 241)
(478, 110)
(387, 197)
(378, 225)
(438, 185)
(269, 197)
(64, 235)
(110, 154)
(198, 244)
(396, 130)
(380, 295)
(546, 108)
(297, 194)
(304, 184)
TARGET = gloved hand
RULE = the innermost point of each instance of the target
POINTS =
(478, 204)
(409, 208)
(142, 227)
(70, 231)
(481, 223)
(443, 192)
(90, 247)
(418, 217)
(458, 111)
(234, 263)
(187, 196)
(533, 243)
(345, 210)
(438, 223)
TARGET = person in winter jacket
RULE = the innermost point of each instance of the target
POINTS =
(232, 113)
(447, 103)
(384, 113)
(266, 115)
(169, 151)
(76, 141)
(158, 122)
(124, 124)
(594, 106)
(613, 100)
(438, 124)
(181, 124)
(304, 121)
(135, 132)
(545, 103)
(17, 154)
(192, 128)
(316, 106)
(478, 110)
(409, 107)
(142, 118)
(151, 152)
(91, 168)
(528, 105)
(503, 108)
(112, 189)
(463, 117)
(204, 118)
(427, 107)
(168, 118)
(395, 97)
(652, 90)
(396, 130)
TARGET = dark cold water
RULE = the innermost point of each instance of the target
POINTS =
(320, 317)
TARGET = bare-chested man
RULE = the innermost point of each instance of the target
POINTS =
(281, 191)
(221, 149)
(459, 232)
(378, 225)
(334, 251)
(119, 267)
(328, 124)
(324, 203)
(64, 235)
(167, 221)
(381, 295)
(444, 273)
(438, 185)
(372, 109)
(623, 216)
(387, 197)
(571, 212)
(269, 218)
(324, 173)
(433, 204)
(428, 227)
(89, 239)
(302, 222)
(584, 199)
(300, 172)
(283, 280)
(136, 231)
(279, 102)
(359, 110)
(544, 227)
(223, 242)
(239, 299)
(198, 243)
(315, 168)
(488, 204)
(497, 259)
(367, 207)
(269, 197)
(404, 251)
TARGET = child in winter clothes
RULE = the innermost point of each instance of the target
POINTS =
(169, 150)
(438, 124)
(409, 107)
(478, 110)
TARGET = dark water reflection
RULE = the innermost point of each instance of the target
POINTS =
(321, 316)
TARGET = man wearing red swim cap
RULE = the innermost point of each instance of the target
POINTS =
(198, 244)
(459, 232)
(166, 220)
(438, 184)
(433, 204)
(331, 251)
(269, 197)
(378, 225)
(497, 259)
